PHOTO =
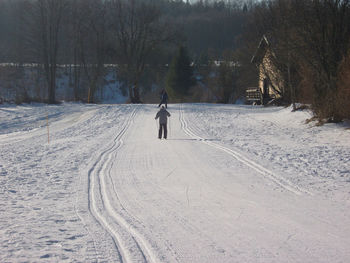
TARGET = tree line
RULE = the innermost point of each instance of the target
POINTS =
(137, 35)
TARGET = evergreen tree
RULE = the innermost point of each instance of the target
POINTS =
(180, 78)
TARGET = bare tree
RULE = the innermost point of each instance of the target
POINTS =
(48, 16)
(325, 37)
(138, 31)
(93, 43)
(74, 39)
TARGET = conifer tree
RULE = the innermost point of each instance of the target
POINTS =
(180, 78)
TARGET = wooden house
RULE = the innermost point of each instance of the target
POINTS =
(270, 85)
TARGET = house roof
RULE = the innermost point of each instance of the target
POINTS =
(261, 50)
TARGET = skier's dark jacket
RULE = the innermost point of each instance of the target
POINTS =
(163, 115)
(165, 97)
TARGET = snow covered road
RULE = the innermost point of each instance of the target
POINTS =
(106, 189)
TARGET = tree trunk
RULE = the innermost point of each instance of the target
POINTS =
(136, 98)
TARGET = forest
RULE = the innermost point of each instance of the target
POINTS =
(141, 40)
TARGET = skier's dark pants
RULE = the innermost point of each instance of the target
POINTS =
(161, 127)
(163, 102)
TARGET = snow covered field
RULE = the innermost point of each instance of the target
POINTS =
(231, 184)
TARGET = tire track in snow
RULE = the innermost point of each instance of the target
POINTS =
(131, 245)
(257, 167)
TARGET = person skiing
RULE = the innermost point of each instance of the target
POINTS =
(163, 115)
(164, 98)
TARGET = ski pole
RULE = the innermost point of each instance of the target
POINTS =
(169, 128)
(48, 129)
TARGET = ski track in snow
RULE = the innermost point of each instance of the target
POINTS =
(279, 180)
(107, 190)
(37, 178)
(130, 244)
(312, 158)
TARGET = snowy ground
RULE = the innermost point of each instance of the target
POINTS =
(231, 184)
